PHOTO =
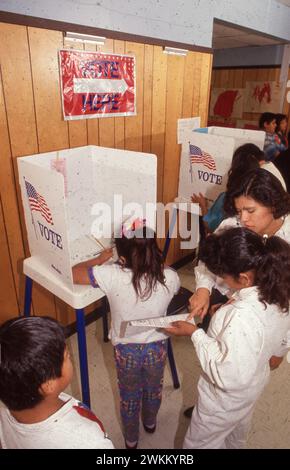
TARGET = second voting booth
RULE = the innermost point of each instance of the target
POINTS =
(206, 159)
(74, 203)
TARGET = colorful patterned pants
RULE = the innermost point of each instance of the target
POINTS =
(140, 369)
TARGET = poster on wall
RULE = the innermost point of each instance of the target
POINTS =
(97, 84)
(227, 103)
(262, 97)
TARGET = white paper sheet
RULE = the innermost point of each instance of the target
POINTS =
(162, 322)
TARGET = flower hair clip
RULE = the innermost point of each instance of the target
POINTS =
(129, 228)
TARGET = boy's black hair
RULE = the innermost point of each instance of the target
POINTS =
(32, 352)
(238, 250)
(266, 118)
(144, 258)
(263, 187)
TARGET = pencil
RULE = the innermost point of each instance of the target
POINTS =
(98, 241)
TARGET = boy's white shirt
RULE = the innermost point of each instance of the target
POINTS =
(116, 283)
(204, 278)
(71, 427)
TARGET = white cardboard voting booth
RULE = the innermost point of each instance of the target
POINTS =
(65, 195)
(206, 159)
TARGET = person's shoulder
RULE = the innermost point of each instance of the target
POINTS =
(109, 269)
(284, 231)
(170, 273)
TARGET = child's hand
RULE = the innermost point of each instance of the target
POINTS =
(213, 309)
(105, 255)
(181, 328)
(201, 200)
(275, 361)
(199, 303)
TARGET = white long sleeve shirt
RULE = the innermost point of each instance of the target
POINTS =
(241, 338)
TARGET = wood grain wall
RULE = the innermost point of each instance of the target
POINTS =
(168, 88)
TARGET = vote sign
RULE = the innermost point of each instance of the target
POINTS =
(96, 84)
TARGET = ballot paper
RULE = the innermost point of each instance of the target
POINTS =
(162, 322)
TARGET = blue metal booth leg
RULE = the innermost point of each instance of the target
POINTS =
(82, 346)
(171, 360)
(28, 296)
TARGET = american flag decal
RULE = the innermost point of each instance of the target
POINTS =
(197, 155)
(37, 203)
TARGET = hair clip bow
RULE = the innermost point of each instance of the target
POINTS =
(129, 228)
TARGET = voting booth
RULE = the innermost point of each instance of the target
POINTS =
(75, 199)
(74, 203)
(206, 159)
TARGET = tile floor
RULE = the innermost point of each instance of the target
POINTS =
(271, 421)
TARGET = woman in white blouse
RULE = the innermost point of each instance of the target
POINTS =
(257, 202)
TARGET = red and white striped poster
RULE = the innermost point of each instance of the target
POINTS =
(97, 84)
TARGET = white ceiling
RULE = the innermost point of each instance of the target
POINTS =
(225, 37)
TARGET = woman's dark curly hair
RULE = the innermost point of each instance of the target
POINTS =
(263, 187)
(238, 250)
(247, 157)
(144, 258)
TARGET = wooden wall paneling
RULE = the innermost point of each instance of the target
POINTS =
(134, 124)
(77, 129)
(224, 77)
(188, 85)
(147, 97)
(196, 83)
(11, 214)
(107, 124)
(231, 78)
(119, 48)
(159, 114)
(239, 78)
(205, 88)
(213, 78)
(218, 79)
(51, 127)
(174, 95)
(92, 124)
(262, 74)
(17, 81)
(18, 89)
(8, 297)
(276, 74)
